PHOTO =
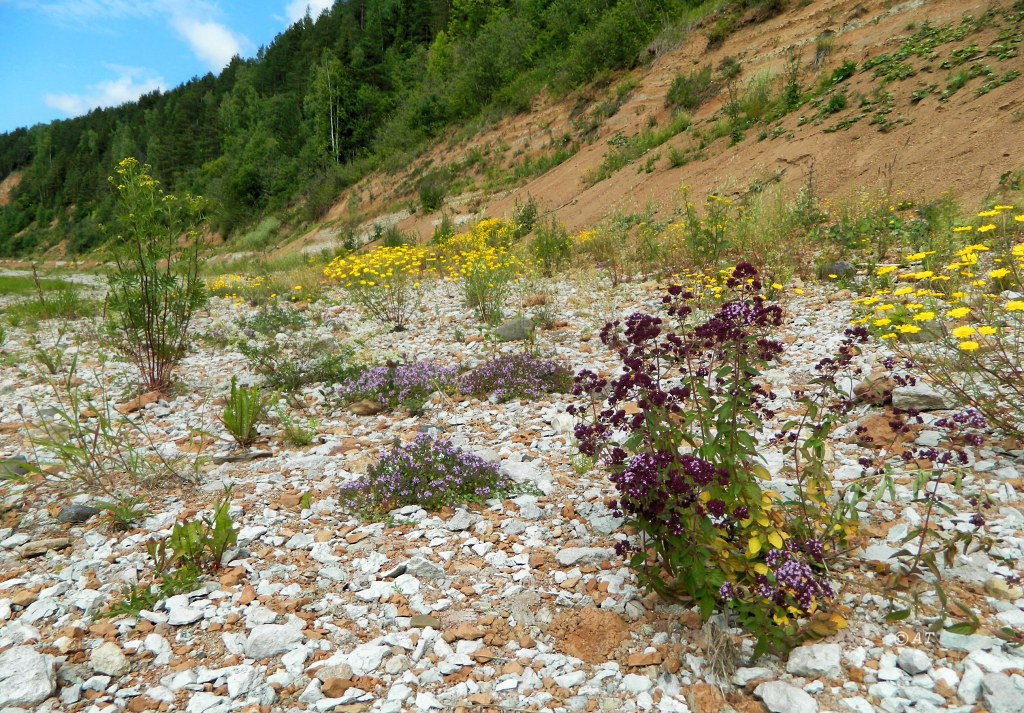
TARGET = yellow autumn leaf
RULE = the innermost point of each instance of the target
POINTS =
(761, 472)
(776, 540)
(754, 546)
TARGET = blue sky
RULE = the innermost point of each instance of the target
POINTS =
(61, 58)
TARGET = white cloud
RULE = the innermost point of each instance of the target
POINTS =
(210, 41)
(88, 10)
(130, 84)
(193, 20)
(296, 9)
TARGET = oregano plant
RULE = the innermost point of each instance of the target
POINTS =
(678, 429)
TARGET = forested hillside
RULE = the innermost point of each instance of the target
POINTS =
(361, 87)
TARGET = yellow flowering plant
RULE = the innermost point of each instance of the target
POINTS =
(386, 283)
(486, 276)
(977, 299)
(155, 287)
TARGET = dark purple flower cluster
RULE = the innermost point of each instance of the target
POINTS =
(661, 370)
(658, 488)
(430, 473)
(517, 376)
(406, 384)
(961, 428)
(791, 582)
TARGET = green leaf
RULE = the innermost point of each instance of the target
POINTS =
(964, 627)
(900, 615)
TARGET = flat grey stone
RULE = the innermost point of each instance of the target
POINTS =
(921, 397)
(268, 640)
(183, 616)
(203, 702)
(422, 621)
(743, 676)
(913, 661)
(856, 705)
(109, 659)
(515, 330)
(816, 661)
(424, 569)
(461, 520)
(563, 423)
(781, 697)
(75, 514)
(839, 268)
(27, 677)
(1001, 695)
(968, 642)
(583, 555)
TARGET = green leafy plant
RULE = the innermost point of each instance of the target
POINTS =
(124, 511)
(292, 363)
(100, 450)
(198, 544)
(65, 303)
(246, 409)
(524, 215)
(689, 91)
(52, 359)
(298, 432)
(194, 548)
(273, 318)
(551, 245)
(155, 286)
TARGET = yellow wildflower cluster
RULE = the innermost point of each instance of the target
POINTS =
(381, 267)
(964, 305)
(235, 287)
(384, 283)
(486, 276)
(490, 232)
(583, 237)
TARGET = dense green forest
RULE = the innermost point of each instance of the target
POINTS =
(365, 85)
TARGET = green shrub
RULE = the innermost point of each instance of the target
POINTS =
(835, 104)
(292, 364)
(259, 238)
(551, 245)
(432, 189)
(758, 102)
(199, 544)
(689, 91)
(843, 72)
(524, 216)
(193, 548)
